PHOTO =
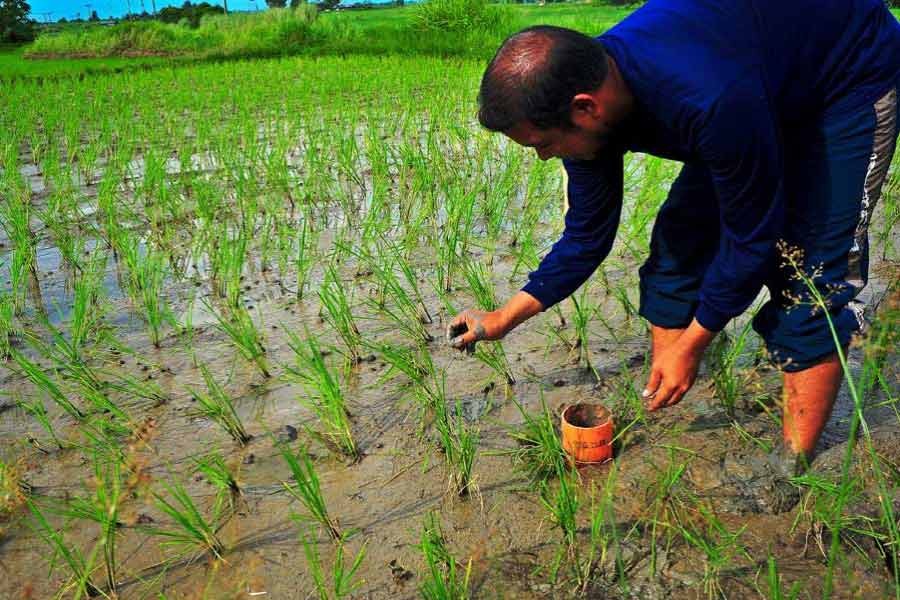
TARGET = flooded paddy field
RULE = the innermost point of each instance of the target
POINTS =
(223, 296)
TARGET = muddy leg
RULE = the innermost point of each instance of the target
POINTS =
(808, 398)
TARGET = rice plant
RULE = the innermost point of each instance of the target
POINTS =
(335, 582)
(101, 507)
(47, 385)
(445, 578)
(7, 325)
(238, 325)
(36, 409)
(323, 393)
(305, 488)
(459, 441)
(718, 545)
(215, 404)
(728, 382)
(539, 453)
(81, 567)
(190, 531)
(562, 504)
(212, 466)
(337, 313)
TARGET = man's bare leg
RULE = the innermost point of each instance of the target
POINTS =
(808, 398)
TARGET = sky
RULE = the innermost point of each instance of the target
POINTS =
(70, 9)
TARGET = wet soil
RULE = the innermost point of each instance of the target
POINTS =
(381, 501)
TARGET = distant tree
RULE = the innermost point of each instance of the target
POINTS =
(15, 26)
(328, 4)
(276, 3)
(296, 3)
(94, 16)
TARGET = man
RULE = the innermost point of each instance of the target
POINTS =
(785, 115)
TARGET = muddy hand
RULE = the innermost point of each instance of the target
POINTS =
(472, 326)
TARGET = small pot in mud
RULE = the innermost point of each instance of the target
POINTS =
(587, 433)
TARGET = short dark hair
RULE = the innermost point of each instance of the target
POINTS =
(535, 74)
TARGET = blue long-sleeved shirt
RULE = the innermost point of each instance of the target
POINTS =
(721, 83)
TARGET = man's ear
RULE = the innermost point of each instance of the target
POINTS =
(585, 108)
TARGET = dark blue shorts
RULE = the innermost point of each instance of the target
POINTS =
(834, 172)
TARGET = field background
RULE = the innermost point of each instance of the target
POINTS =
(224, 284)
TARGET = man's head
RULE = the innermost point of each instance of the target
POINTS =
(549, 88)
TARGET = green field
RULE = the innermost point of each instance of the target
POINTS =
(224, 287)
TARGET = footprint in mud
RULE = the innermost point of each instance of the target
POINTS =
(748, 484)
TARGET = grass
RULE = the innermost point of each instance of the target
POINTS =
(539, 453)
(323, 394)
(335, 582)
(190, 531)
(459, 441)
(444, 578)
(218, 406)
(305, 489)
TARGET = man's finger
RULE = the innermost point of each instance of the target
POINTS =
(676, 397)
(461, 341)
(660, 398)
(652, 385)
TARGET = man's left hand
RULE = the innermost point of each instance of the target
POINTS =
(675, 368)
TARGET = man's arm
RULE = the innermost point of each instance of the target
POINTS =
(595, 202)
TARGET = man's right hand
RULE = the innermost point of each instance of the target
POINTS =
(472, 326)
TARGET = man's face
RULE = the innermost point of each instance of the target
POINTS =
(575, 143)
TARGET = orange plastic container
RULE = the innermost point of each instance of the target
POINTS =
(587, 433)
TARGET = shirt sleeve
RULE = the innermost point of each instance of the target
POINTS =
(595, 203)
(740, 143)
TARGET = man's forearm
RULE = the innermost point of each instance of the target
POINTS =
(519, 308)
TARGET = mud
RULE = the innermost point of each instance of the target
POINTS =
(716, 460)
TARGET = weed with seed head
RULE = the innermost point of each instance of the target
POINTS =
(305, 488)
(459, 442)
(444, 579)
(217, 405)
(342, 583)
(190, 531)
(324, 395)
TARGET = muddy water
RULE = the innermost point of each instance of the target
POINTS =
(382, 500)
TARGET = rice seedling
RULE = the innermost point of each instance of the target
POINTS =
(342, 582)
(304, 259)
(539, 453)
(7, 325)
(459, 442)
(324, 395)
(562, 504)
(724, 354)
(37, 410)
(47, 385)
(305, 488)
(238, 325)
(81, 566)
(775, 590)
(337, 313)
(445, 579)
(190, 530)
(215, 404)
(101, 507)
(212, 466)
(717, 544)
